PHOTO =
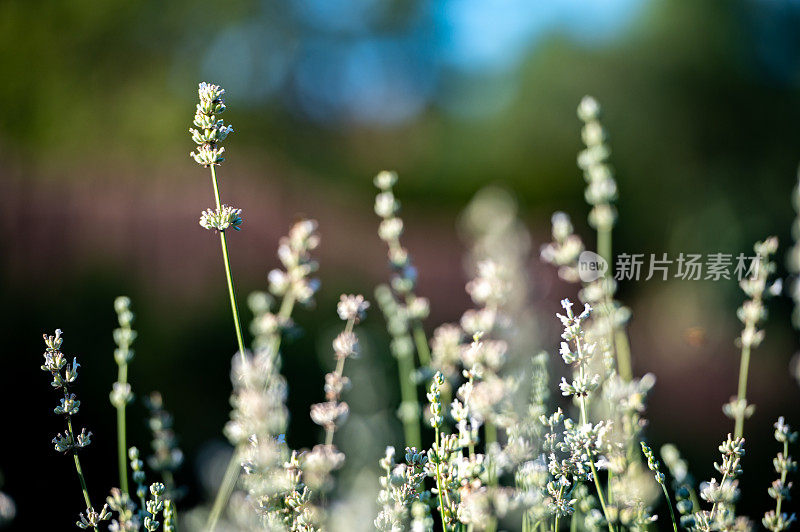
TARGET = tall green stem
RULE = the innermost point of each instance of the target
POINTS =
(439, 482)
(671, 511)
(490, 433)
(232, 472)
(618, 340)
(584, 420)
(783, 477)
(555, 522)
(604, 243)
(225, 490)
(287, 305)
(600, 492)
(623, 351)
(228, 275)
(122, 444)
(408, 393)
(744, 367)
(78, 468)
(421, 341)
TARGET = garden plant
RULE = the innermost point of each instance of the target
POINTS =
(490, 441)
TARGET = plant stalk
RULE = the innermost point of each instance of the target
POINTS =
(411, 427)
(439, 482)
(232, 471)
(228, 275)
(339, 372)
(421, 341)
(783, 477)
(555, 522)
(79, 469)
(744, 367)
(604, 243)
(671, 511)
(224, 493)
(122, 444)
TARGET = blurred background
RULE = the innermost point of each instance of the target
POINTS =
(99, 198)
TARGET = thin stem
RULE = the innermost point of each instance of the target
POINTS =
(228, 275)
(671, 511)
(216, 186)
(591, 463)
(604, 243)
(490, 433)
(583, 410)
(584, 421)
(411, 427)
(232, 293)
(439, 481)
(122, 445)
(339, 372)
(287, 305)
(582, 398)
(744, 367)
(620, 344)
(232, 471)
(714, 507)
(421, 341)
(78, 468)
(783, 477)
(623, 351)
(555, 522)
(599, 492)
(226, 488)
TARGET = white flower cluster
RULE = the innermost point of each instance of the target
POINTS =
(352, 308)
(211, 131)
(575, 351)
(752, 312)
(167, 456)
(722, 495)
(222, 218)
(121, 393)
(259, 416)
(564, 250)
(333, 412)
(403, 498)
(390, 230)
(601, 189)
(294, 252)
(775, 520)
